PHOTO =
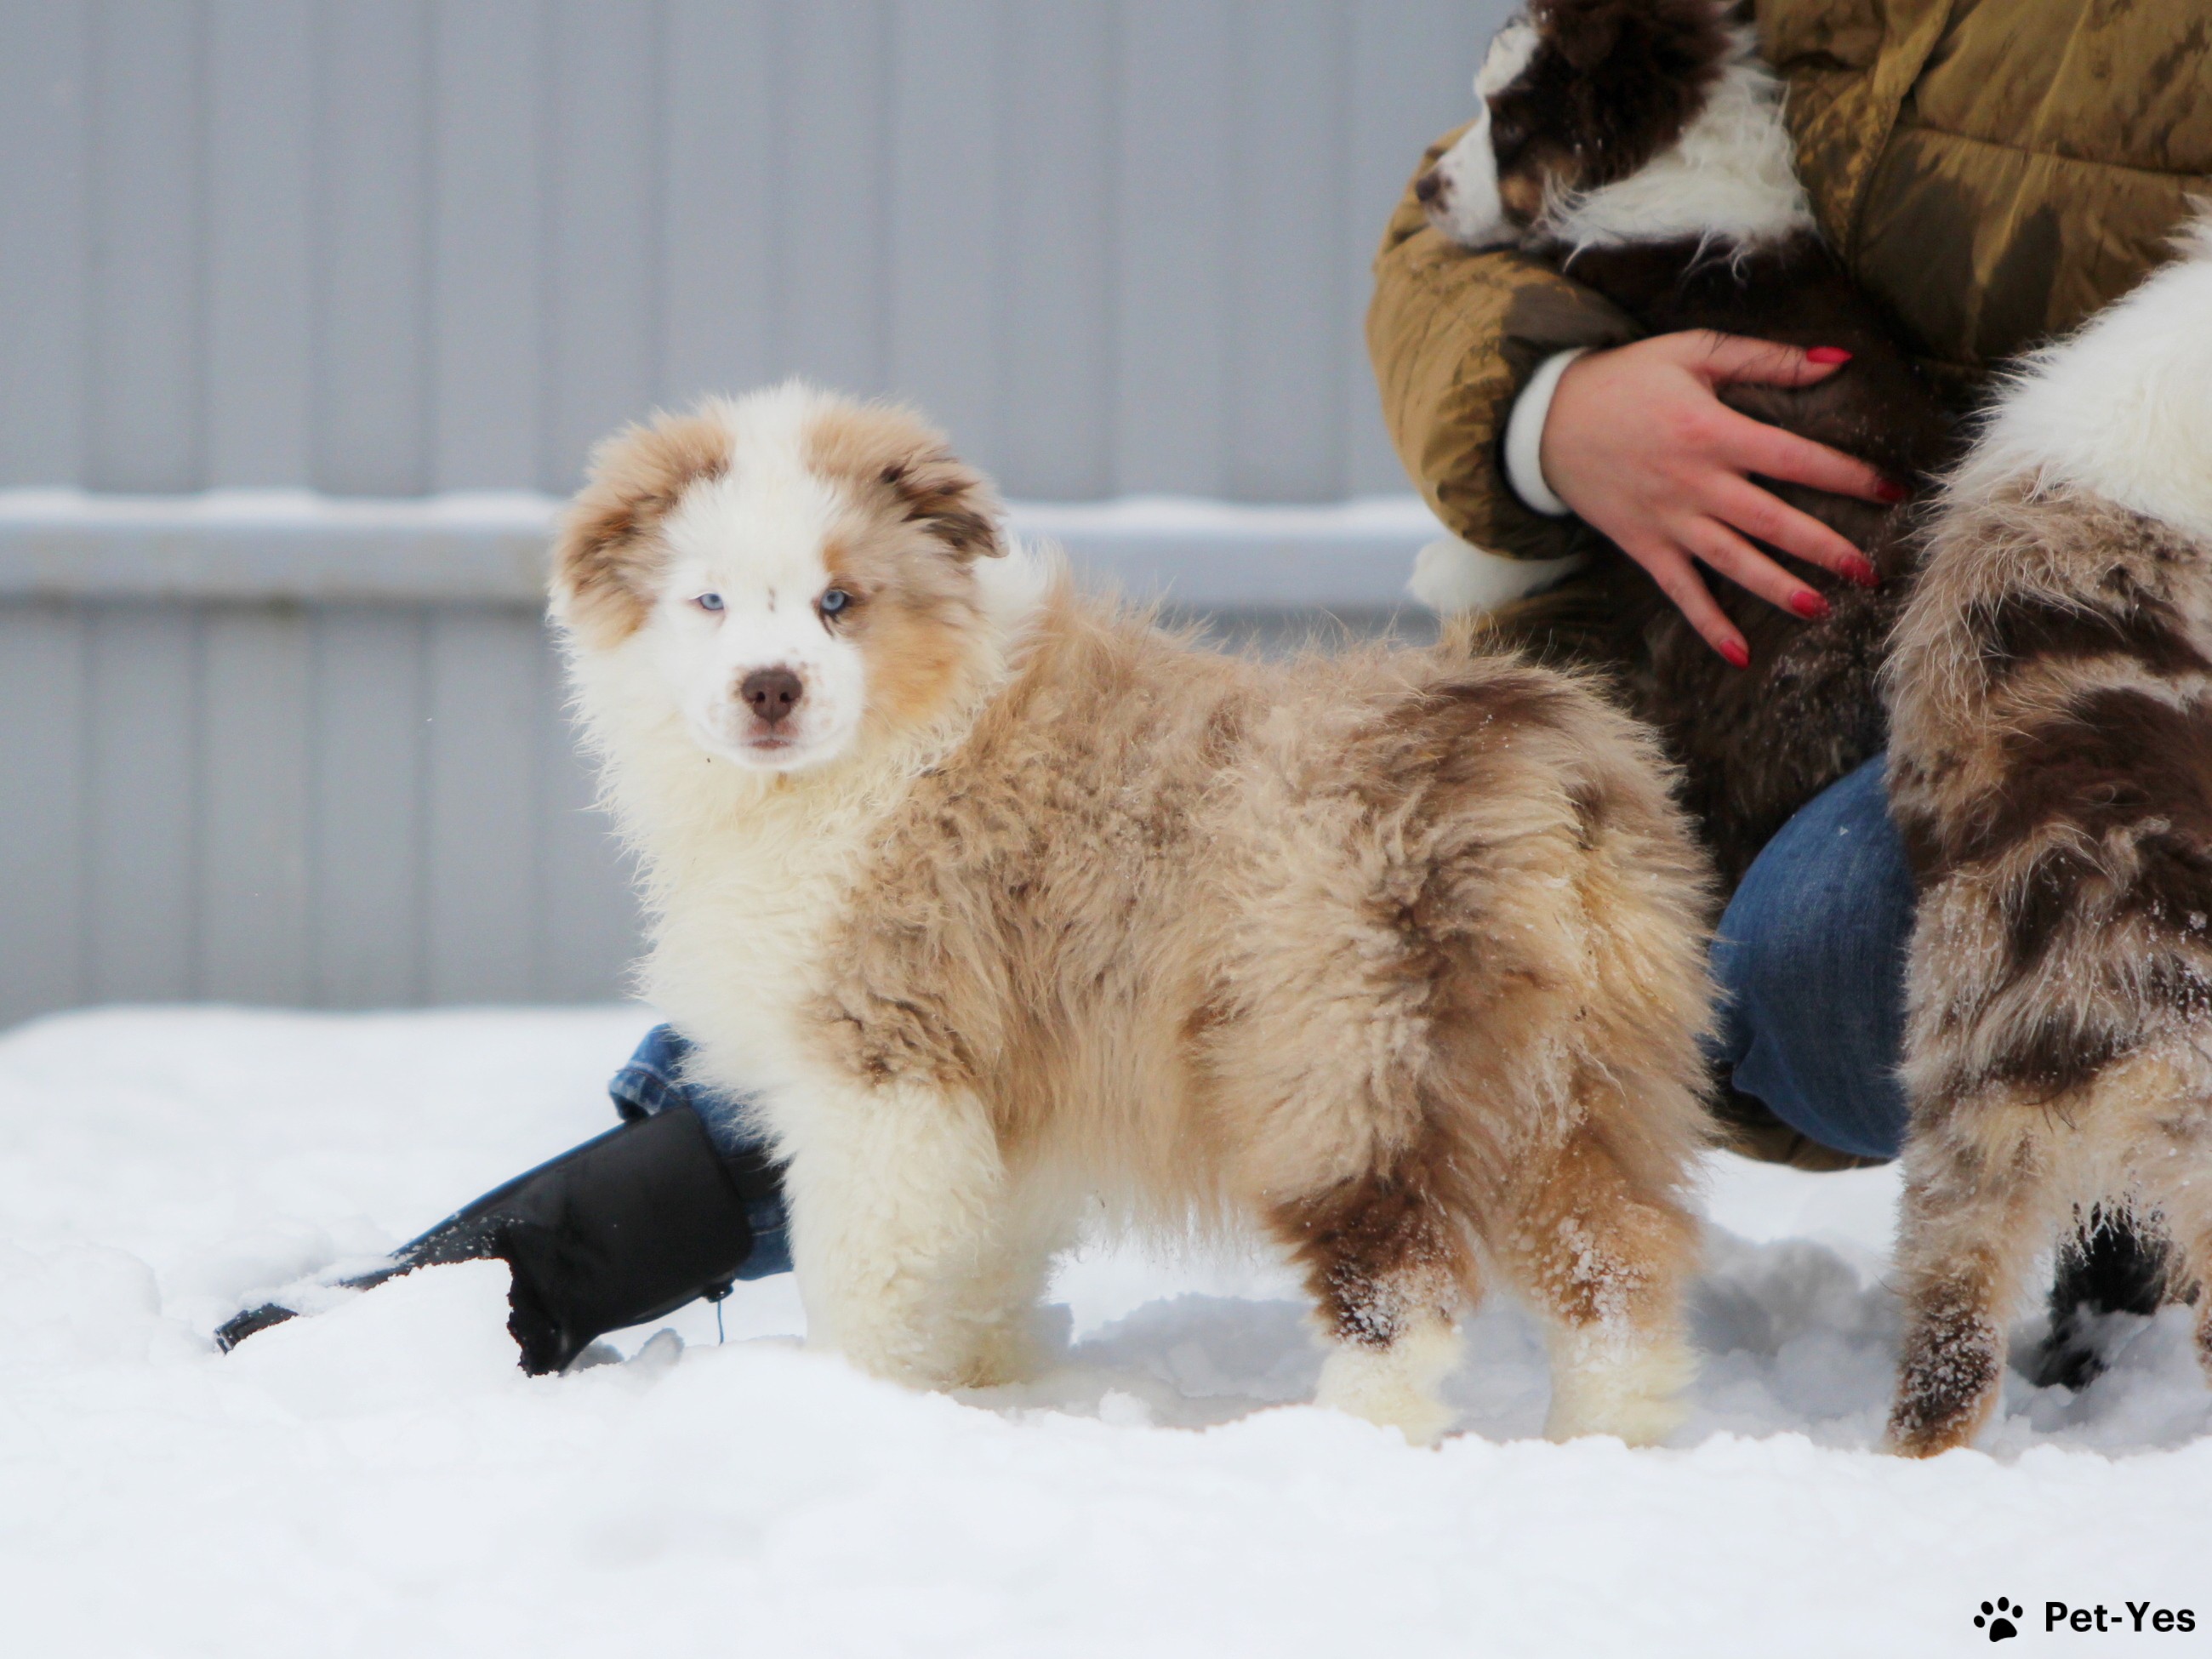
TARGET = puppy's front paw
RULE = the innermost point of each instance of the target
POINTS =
(940, 1352)
(1005, 1352)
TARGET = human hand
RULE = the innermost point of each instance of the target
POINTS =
(1638, 444)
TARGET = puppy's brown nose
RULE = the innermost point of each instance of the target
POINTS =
(1429, 188)
(772, 693)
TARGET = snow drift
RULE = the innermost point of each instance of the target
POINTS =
(381, 1479)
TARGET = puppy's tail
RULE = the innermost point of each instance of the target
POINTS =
(1566, 838)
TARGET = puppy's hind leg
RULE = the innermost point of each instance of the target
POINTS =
(1389, 1269)
(1975, 1212)
(1605, 1260)
(2176, 1181)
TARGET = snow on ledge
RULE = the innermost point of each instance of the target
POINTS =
(489, 547)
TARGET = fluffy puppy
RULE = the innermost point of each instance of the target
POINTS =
(1639, 145)
(2050, 767)
(1001, 902)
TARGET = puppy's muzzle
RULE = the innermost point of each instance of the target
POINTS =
(771, 694)
(1432, 190)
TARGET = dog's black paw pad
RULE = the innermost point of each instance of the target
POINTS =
(1997, 1617)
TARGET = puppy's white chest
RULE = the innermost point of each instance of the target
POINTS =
(741, 943)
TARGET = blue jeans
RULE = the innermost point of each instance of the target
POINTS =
(1811, 962)
(653, 1082)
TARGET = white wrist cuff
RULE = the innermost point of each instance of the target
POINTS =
(1524, 436)
(1451, 576)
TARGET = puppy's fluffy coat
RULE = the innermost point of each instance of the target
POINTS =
(1000, 901)
(2051, 769)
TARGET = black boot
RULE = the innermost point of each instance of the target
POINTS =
(2109, 1266)
(618, 1231)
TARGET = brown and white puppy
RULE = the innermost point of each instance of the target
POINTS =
(1639, 145)
(2051, 768)
(1001, 902)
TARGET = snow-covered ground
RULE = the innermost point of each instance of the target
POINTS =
(381, 1481)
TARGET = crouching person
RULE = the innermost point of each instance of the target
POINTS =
(1545, 435)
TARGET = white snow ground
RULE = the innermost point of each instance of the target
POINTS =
(381, 1481)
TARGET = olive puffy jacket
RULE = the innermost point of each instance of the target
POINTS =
(1994, 170)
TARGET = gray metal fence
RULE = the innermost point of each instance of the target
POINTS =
(347, 805)
(317, 757)
(388, 248)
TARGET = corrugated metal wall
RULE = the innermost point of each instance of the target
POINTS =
(386, 246)
(389, 247)
(331, 806)
(270, 780)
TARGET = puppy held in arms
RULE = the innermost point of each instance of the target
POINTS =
(1001, 902)
(1638, 146)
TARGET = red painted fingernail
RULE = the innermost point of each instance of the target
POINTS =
(1808, 604)
(1889, 491)
(1827, 355)
(1736, 652)
(1862, 572)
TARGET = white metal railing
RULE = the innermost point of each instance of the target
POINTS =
(489, 546)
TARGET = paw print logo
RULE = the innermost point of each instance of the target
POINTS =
(1998, 1617)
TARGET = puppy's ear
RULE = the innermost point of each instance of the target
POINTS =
(1661, 37)
(893, 461)
(1641, 70)
(1585, 34)
(608, 553)
(951, 500)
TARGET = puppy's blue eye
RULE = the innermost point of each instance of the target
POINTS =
(709, 601)
(835, 600)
